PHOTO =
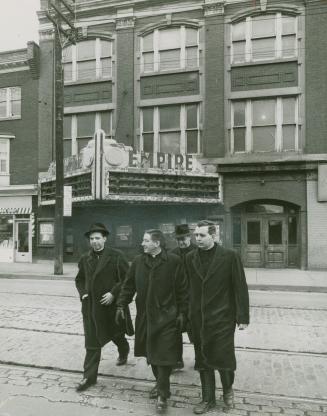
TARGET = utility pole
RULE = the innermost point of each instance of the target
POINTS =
(56, 16)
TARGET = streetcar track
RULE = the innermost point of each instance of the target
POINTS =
(248, 349)
(308, 308)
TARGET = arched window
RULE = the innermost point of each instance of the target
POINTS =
(88, 60)
(169, 49)
(264, 37)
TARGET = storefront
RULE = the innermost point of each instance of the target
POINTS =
(16, 224)
(128, 192)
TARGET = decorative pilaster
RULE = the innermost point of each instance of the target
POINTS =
(214, 7)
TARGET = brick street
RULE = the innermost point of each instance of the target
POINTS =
(281, 358)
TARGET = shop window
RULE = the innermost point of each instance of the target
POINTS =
(6, 232)
(46, 232)
(10, 102)
(88, 60)
(80, 128)
(263, 37)
(170, 129)
(169, 49)
(265, 125)
(124, 236)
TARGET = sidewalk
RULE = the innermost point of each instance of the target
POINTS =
(258, 279)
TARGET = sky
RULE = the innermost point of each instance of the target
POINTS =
(18, 23)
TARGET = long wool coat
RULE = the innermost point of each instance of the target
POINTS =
(161, 294)
(218, 301)
(99, 320)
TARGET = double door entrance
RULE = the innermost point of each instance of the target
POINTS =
(265, 242)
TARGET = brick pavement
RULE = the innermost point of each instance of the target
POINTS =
(281, 329)
(53, 392)
(278, 373)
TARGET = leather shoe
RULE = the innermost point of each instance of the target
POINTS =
(122, 359)
(85, 384)
(203, 407)
(161, 405)
(228, 398)
(153, 393)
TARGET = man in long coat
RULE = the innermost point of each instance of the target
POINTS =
(100, 275)
(159, 281)
(219, 301)
(184, 246)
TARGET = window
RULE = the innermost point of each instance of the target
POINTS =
(4, 156)
(170, 129)
(264, 37)
(168, 49)
(10, 102)
(80, 128)
(265, 125)
(87, 60)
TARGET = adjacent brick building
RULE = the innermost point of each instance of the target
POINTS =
(239, 86)
(19, 72)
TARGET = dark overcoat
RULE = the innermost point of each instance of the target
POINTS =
(99, 320)
(161, 294)
(218, 301)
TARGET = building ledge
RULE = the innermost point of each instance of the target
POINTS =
(18, 190)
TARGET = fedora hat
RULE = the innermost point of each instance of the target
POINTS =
(97, 227)
(182, 230)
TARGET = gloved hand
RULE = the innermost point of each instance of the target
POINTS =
(180, 322)
(120, 315)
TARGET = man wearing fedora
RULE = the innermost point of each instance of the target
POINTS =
(101, 273)
(184, 245)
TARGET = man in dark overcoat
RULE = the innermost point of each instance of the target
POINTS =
(158, 279)
(219, 301)
(98, 281)
(184, 246)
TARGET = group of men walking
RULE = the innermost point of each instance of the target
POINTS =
(197, 288)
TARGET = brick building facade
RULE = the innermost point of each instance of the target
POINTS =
(19, 71)
(238, 86)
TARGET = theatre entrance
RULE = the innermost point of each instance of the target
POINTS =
(266, 234)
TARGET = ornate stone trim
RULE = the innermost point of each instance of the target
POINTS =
(47, 34)
(214, 7)
(263, 5)
(125, 22)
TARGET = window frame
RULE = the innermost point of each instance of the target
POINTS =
(6, 142)
(183, 129)
(182, 50)
(249, 37)
(99, 57)
(74, 128)
(249, 125)
(9, 93)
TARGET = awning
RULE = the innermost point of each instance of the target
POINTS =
(11, 211)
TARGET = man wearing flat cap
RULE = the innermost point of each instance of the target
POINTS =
(101, 273)
(184, 245)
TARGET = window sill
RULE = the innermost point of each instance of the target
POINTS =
(171, 71)
(264, 62)
(87, 81)
(10, 118)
